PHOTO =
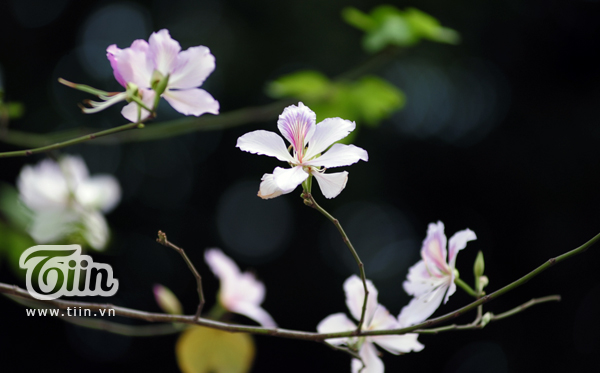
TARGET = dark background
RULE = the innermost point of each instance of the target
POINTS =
(499, 134)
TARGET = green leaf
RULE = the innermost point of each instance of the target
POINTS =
(368, 100)
(11, 207)
(13, 244)
(205, 350)
(387, 25)
(376, 99)
(306, 84)
(358, 19)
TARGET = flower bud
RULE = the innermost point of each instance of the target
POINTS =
(486, 319)
(167, 301)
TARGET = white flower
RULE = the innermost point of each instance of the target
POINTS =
(308, 140)
(433, 277)
(240, 292)
(377, 317)
(66, 200)
(146, 63)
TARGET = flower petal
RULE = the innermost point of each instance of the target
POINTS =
(433, 251)
(194, 65)
(297, 125)
(420, 308)
(111, 53)
(194, 101)
(100, 192)
(397, 344)
(369, 355)
(52, 225)
(163, 51)
(95, 229)
(130, 111)
(254, 312)
(339, 155)
(43, 186)
(355, 296)
(268, 188)
(223, 267)
(134, 64)
(338, 322)
(326, 133)
(458, 242)
(331, 184)
(264, 143)
(287, 179)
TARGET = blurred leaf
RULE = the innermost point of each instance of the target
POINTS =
(11, 207)
(376, 99)
(368, 100)
(205, 350)
(387, 25)
(15, 110)
(307, 85)
(358, 19)
(13, 243)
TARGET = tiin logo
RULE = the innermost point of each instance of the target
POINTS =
(57, 266)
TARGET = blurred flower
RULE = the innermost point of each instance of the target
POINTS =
(166, 300)
(377, 317)
(160, 66)
(240, 292)
(433, 276)
(65, 201)
(309, 140)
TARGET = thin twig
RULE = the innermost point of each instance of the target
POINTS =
(310, 201)
(295, 334)
(477, 323)
(162, 239)
(78, 140)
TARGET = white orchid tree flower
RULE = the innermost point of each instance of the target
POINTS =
(159, 66)
(431, 279)
(377, 317)
(240, 292)
(308, 140)
(65, 200)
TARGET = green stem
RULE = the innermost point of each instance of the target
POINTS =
(477, 325)
(310, 201)
(78, 140)
(463, 285)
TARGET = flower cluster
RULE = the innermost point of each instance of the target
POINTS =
(429, 281)
(66, 201)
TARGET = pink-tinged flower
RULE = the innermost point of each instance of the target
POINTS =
(431, 280)
(147, 64)
(308, 140)
(66, 200)
(377, 317)
(240, 292)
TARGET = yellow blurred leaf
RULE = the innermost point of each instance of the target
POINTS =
(205, 350)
